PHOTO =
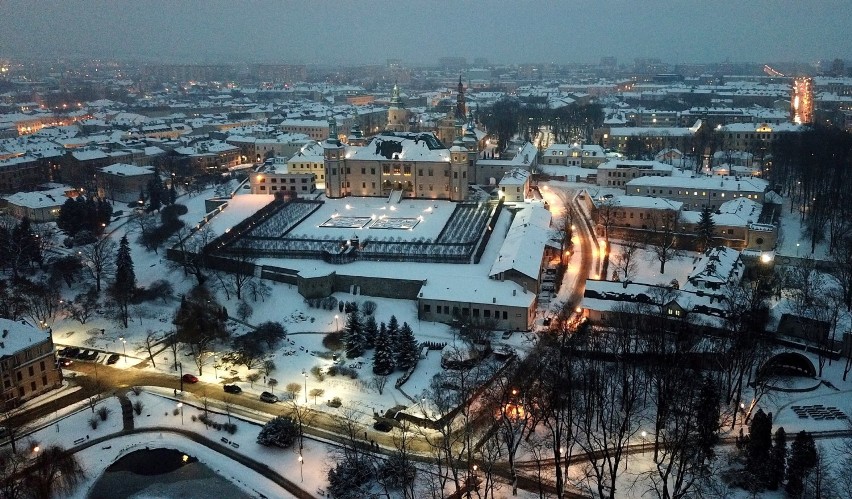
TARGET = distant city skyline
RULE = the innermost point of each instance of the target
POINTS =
(422, 31)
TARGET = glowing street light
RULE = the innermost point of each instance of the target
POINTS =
(123, 347)
(302, 467)
(306, 385)
(644, 435)
(180, 406)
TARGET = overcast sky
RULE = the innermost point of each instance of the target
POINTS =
(421, 31)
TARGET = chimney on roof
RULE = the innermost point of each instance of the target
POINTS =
(494, 300)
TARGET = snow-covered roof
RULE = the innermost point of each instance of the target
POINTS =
(39, 199)
(404, 146)
(89, 154)
(18, 335)
(523, 248)
(648, 202)
(622, 164)
(611, 296)
(716, 267)
(476, 290)
(516, 176)
(741, 184)
(125, 170)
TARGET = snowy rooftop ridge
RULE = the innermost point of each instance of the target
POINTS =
(402, 146)
(717, 267)
(523, 247)
(17, 335)
(740, 184)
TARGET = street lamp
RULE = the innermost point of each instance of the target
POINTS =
(306, 385)
(336, 325)
(124, 348)
(302, 467)
(644, 435)
(215, 372)
(180, 406)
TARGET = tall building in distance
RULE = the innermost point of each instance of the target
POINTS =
(802, 101)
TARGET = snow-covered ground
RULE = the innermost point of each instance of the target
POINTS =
(307, 326)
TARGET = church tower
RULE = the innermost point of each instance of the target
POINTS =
(458, 167)
(472, 145)
(460, 103)
(397, 114)
(334, 154)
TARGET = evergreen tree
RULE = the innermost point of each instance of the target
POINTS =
(124, 286)
(371, 329)
(280, 431)
(407, 349)
(704, 231)
(92, 221)
(393, 332)
(172, 193)
(69, 219)
(707, 418)
(777, 460)
(104, 215)
(354, 335)
(156, 193)
(383, 356)
(24, 245)
(803, 457)
(759, 444)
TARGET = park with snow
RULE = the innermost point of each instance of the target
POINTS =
(298, 369)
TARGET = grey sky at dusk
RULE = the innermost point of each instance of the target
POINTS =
(421, 31)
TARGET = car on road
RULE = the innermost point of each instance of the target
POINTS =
(268, 397)
(189, 378)
(233, 389)
(64, 361)
(112, 359)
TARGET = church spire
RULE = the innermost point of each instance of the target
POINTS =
(460, 103)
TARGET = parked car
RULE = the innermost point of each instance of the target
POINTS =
(72, 352)
(64, 361)
(189, 378)
(268, 397)
(63, 352)
(93, 355)
(112, 359)
(507, 335)
(233, 389)
(84, 355)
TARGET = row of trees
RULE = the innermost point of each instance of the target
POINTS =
(769, 464)
(510, 116)
(84, 214)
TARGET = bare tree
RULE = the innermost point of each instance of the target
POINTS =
(608, 408)
(293, 390)
(152, 339)
(316, 392)
(301, 414)
(99, 259)
(378, 382)
(272, 383)
(627, 260)
(663, 237)
(253, 378)
(192, 248)
(606, 216)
